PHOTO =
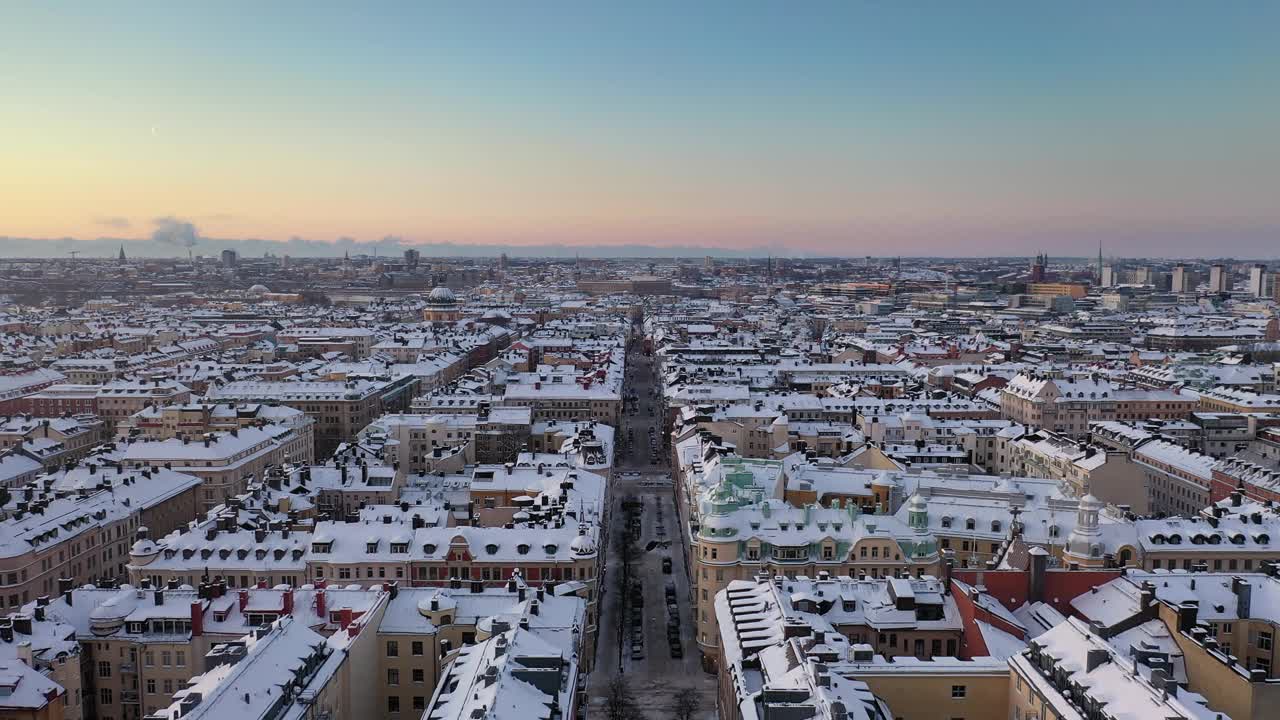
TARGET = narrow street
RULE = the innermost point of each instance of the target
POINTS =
(641, 474)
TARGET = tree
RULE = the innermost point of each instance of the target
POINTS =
(686, 703)
(620, 703)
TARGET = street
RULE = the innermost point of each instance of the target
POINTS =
(642, 476)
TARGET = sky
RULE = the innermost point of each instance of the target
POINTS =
(844, 128)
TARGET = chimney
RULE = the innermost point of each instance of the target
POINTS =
(345, 618)
(1039, 564)
(288, 602)
(159, 596)
(1096, 657)
(1187, 613)
(320, 603)
(1244, 597)
(1147, 599)
(244, 599)
(197, 618)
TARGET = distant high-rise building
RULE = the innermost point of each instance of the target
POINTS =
(1219, 279)
(708, 262)
(1183, 280)
(411, 258)
(1258, 280)
(503, 262)
(229, 258)
(1143, 276)
(1108, 276)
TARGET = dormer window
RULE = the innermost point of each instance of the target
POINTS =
(399, 548)
(491, 548)
(371, 547)
(550, 548)
(522, 548)
(429, 549)
(995, 526)
(946, 522)
(970, 524)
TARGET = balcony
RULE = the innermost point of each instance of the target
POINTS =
(128, 667)
(129, 697)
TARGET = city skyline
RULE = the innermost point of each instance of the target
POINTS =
(850, 130)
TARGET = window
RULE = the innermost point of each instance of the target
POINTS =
(393, 703)
(393, 676)
(1264, 640)
(418, 675)
(104, 669)
(151, 686)
(104, 697)
(959, 691)
(168, 686)
(166, 658)
(419, 702)
(417, 647)
(180, 659)
(393, 648)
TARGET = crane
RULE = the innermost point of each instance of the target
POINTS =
(73, 254)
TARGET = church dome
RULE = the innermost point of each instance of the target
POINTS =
(442, 295)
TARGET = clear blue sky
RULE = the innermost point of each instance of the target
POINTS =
(852, 127)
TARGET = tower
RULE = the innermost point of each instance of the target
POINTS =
(1084, 545)
(1258, 280)
(1099, 262)
(1219, 279)
(122, 259)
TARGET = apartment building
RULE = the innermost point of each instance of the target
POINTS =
(1070, 672)
(142, 645)
(564, 393)
(35, 642)
(510, 669)
(1177, 479)
(1082, 468)
(118, 400)
(1068, 406)
(340, 408)
(163, 422)
(285, 670)
(55, 440)
(81, 526)
(1236, 400)
(316, 341)
(411, 545)
(1223, 543)
(416, 442)
(425, 631)
(739, 534)
(225, 462)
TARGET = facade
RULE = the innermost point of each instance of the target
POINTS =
(340, 408)
(225, 462)
(738, 535)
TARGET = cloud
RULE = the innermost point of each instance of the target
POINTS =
(114, 222)
(175, 231)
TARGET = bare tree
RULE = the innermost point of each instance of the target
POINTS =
(620, 703)
(686, 703)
